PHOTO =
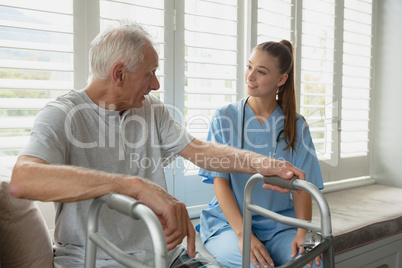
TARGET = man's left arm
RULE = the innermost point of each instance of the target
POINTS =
(226, 159)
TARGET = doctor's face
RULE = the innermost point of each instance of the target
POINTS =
(262, 75)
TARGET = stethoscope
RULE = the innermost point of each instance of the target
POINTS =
(242, 132)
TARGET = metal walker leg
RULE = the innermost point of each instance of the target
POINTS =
(325, 246)
(134, 209)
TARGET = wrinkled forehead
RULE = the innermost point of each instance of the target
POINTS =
(151, 57)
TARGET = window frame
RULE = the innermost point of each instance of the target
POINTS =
(336, 168)
(176, 172)
(86, 20)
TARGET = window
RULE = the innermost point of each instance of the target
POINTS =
(317, 72)
(356, 79)
(36, 65)
(332, 40)
(208, 54)
(150, 14)
(203, 46)
(275, 20)
(200, 59)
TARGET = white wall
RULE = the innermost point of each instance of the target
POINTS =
(387, 95)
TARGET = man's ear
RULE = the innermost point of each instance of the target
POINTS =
(117, 73)
(282, 80)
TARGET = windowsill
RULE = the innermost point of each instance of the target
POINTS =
(334, 186)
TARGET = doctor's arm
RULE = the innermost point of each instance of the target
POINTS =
(225, 159)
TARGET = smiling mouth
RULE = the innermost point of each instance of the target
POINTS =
(251, 86)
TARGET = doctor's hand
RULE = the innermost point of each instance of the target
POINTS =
(259, 255)
(272, 167)
(296, 246)
(171, 213)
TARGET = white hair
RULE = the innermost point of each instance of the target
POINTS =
(123, 43)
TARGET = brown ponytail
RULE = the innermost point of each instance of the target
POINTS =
(284, 52)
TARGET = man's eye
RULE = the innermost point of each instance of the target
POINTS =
(151, 74)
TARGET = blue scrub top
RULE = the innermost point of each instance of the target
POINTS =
(226, 128)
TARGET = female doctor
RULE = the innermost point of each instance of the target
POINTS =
(267, 123)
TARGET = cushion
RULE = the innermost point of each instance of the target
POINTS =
(363, 215)
(24, 238)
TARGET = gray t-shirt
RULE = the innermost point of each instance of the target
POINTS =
(73, 130)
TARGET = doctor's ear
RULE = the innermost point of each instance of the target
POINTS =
(282, 80)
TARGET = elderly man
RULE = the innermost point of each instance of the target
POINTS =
(82, 144)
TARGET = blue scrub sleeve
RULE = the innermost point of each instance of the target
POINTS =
(305, 157)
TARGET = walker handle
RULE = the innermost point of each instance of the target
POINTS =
(277, 181)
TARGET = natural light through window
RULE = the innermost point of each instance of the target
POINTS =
(36, 65)
(203, 46)
(149, 13)
(316, 79)
(356, 78)
(210, 62)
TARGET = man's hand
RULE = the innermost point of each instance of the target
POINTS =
(172, 214)
(285, 170)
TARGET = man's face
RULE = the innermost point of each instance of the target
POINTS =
(139, 83)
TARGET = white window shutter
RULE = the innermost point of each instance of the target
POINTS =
(356, 80)
(210, 59)
(36, 65)
(333, 43)
(210, 68)
(317, 68)
(275, 18)
(151, 15)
